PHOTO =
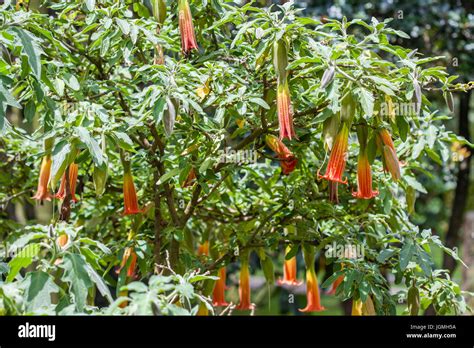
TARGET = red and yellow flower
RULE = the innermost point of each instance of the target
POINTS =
(244, 286)
(338, 157)
(289, 271)
(42, 192)
(288, 161)
(312, 288)
(364, 177)
(73, 171)
(186, 27)
(390, 160)
(129, 195)
(129, 253)
(218, 295)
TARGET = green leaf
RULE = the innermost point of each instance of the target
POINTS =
(261, 102)
(124, 141)
(411, 181)
(39, 287)
(366, 100)
(31, 51)
(72, 82)
(406, 254)
(99, 282)
(92, 145)
(164, 178)
(75, 273)
(268, 271)
(22, 260)
(158, 109)
(7, 98)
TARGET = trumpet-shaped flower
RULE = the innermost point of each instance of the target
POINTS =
(289, 271)
(390, 160)
(186, 27)
(338, 157)
(312, 288)
(285, 112)
(218, 295)
(244, 286)
(288, 161)
(61, 194)
(364, 177)
(130, 195)
(42, 192)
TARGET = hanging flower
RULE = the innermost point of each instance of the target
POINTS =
(42, 192)
(338, 157)
(244, 285)
(203, 249)
(364, 177)
(218, 295)
(356, 307)
(312, 287)
(186, 28)
(129, 253)
(284, 109)
(61, 194)
(390, 160)
(289, 271)
(288, 161)
(335, 285)
(129, 194)
(285, 114)
(363, 308)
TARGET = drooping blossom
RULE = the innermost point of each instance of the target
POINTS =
(244, 285)
(61, 194)
(312, 288)
(42, 193)
(289, 271)
(288, 161)
(284, 108)
(285, 112)
(129, 253)
(390, 160)
(186, 27)
(129, 194)
(364, 177)
(218, 295)
(338, 157)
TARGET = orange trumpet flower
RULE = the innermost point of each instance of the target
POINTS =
(130, 195)
(244, 286)
(61, 194)
(390, 160)
(129, 253)
(290, 271)
(186, 27)
(338, 157)
(288, 161)
(312, 287)
(42, 192)
(335, 285)
(364, 177)
(285, 113)
(218, 295)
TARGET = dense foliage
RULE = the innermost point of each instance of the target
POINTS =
(231, 130)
